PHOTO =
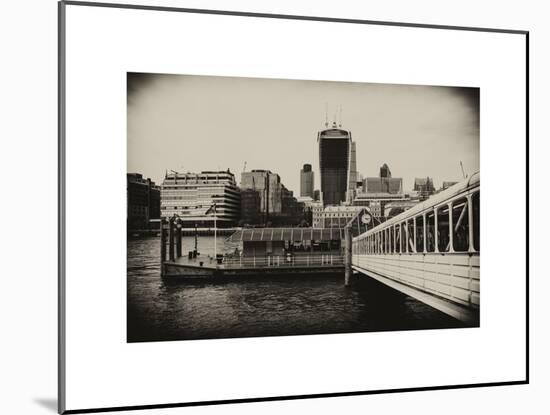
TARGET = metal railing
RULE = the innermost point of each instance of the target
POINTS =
(274, 261)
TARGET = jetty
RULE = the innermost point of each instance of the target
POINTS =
(265, 251)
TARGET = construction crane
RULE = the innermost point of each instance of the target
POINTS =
(462, 168)
(244, 167)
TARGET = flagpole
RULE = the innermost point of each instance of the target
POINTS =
(215, 237)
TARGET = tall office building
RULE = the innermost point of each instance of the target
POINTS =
(275, 204)
(269, 187)
(337, 165)
(385, 171)
(306, 181)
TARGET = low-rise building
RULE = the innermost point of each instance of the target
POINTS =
(143, 201)
(379, 191)
(190, 195)
(334, 216)
(424, 187)
(377, 202)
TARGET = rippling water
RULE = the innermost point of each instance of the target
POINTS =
(269, 306)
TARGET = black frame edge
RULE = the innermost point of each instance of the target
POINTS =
(61, 210)
(292, 397)
(290, 17)
(61, 361)
(527, 137)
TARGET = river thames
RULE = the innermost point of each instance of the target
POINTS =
(269, 306)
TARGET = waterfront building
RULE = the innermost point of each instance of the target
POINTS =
(279, 246)
(337, 165)
(190, 195)
(317, 214)
(143, 201)
(334, 216)
(306, 181)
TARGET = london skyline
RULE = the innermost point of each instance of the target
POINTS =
(193, 123)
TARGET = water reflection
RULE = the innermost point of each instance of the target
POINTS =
(273, 306)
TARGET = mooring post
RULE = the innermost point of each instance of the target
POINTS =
(347, 257)
(162, 241)
(171, 239)
(178, 238)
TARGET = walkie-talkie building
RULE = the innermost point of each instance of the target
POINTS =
(336, 165)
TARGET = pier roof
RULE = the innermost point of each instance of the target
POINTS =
(287, 234)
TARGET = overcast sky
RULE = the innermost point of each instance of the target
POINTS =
(192, 123)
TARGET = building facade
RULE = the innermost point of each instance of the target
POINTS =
(269, 187)
(307, 181)
(337, 161)
(380, 192)
(424, 187)
(385, 171)
(334, 216)
(379, 203)
(390, 185)
(250, 207)
(190, 195)
(277, 204)
(143, 201)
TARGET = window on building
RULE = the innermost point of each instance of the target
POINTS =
(420, 234)
(403, 240)
(476, 211)
(410, 230)
(397, 238)
(443, 236)
(430, 232)
(460, 225)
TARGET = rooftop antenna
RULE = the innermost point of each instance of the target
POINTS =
(326, 114)
(462, 168)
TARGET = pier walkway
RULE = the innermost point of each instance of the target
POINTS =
(430, 252)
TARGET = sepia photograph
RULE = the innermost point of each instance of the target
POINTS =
(275, 207)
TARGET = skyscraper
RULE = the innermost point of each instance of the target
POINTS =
(306, 181)
(336, 165)
(276, 203)
(385, 171)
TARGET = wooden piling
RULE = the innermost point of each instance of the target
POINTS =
(162, 241)
(178, 238)
(171, 239)
(347, 256)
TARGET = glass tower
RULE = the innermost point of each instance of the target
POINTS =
(336, 165)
